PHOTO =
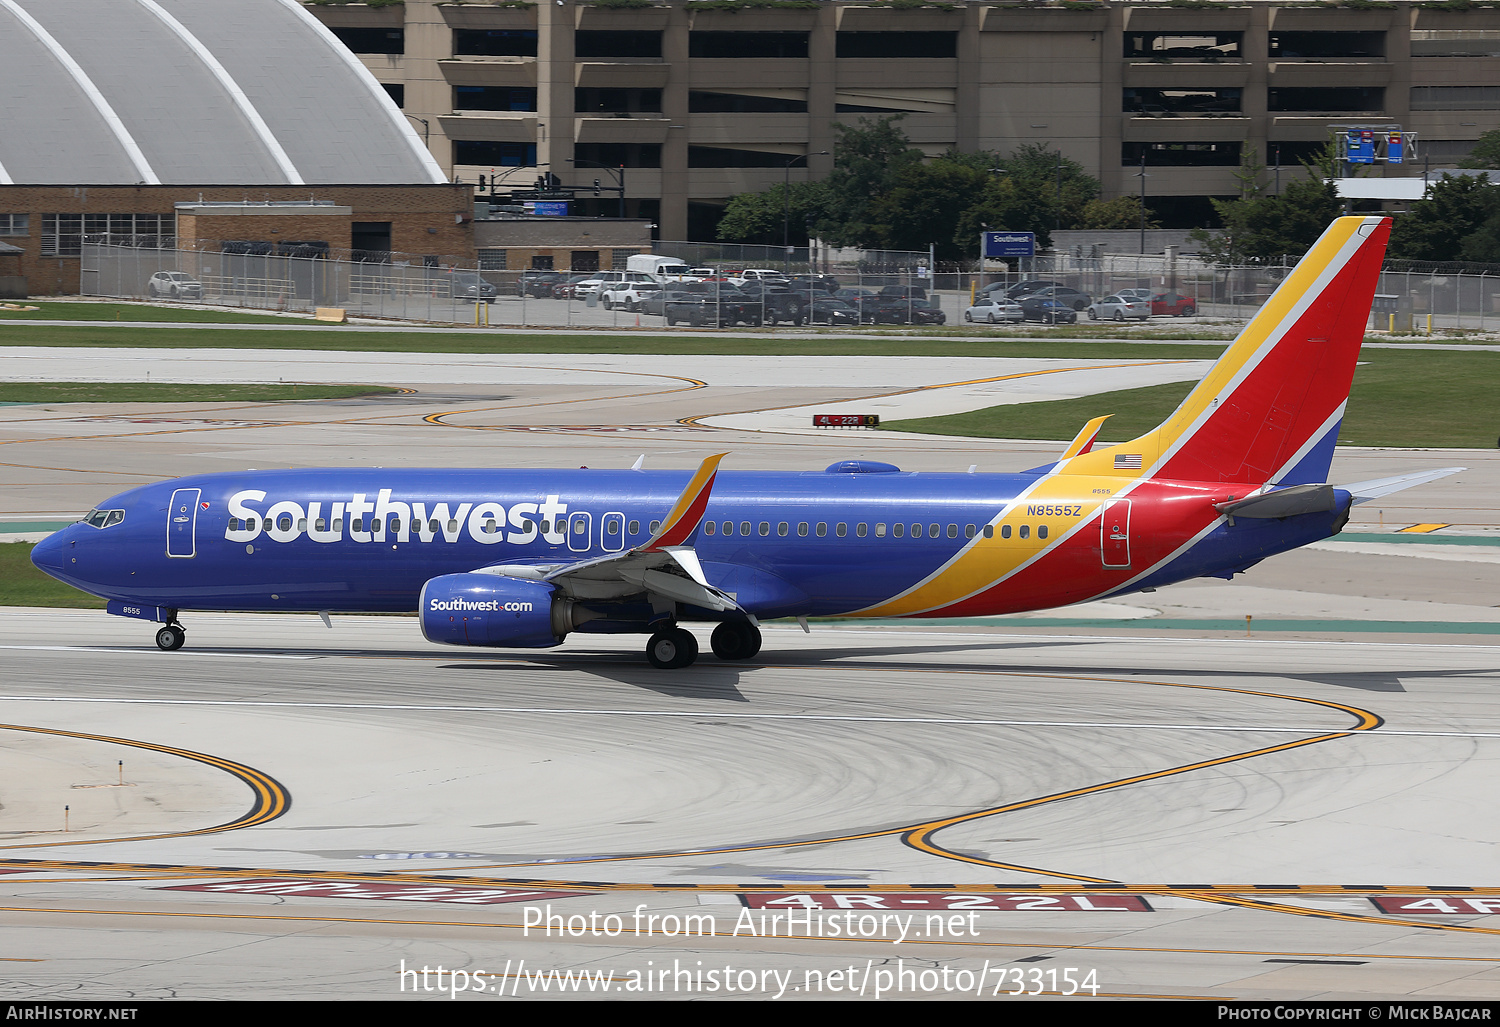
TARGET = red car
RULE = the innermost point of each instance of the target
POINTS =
(1173, 304)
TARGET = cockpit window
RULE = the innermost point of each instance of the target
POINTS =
(104, 518)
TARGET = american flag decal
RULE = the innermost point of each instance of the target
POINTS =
(1127, 461)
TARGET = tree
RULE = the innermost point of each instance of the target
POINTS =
(868, 160)
(1486, 152)
(761, 217)
(1120, 212)
(1258, 227)
(884, 194)
(1438, 225)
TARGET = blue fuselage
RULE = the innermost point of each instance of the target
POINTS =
(784, 544)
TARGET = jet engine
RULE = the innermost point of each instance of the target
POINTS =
(493, 610)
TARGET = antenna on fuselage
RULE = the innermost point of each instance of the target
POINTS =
(640, 462)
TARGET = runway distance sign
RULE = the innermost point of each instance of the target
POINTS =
(947, 900)
(846, 420)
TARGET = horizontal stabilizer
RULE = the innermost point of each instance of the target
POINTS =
(1364, 491)
(1299, 499)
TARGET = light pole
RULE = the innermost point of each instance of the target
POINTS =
(426, 129)
(1142, 176)
(786, 214)
(618, 172)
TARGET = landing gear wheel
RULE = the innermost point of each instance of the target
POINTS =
(170, 638)
(736, 640)
(672, 649)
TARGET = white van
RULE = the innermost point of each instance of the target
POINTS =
(657, 267)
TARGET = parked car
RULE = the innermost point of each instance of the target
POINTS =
(1143, 295)
(471, 286)
(1027, 288)
(1048, 311)
(779, 304)
(755, 274)
(630, 295)
(174, 285)
(993, 310)
(1118, 308)
(724, 308)
(656, 302)
(830, 311)
(895, 311)
(866, 301)
(1066, 296)
(826, 283)
(538, 283)
(1173, 304)
(564, 290)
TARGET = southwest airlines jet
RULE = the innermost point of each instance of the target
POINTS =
(521, 558)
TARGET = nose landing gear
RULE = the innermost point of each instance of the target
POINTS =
(170, 638)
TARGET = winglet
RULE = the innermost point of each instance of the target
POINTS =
(683, 520)
(1085, 438)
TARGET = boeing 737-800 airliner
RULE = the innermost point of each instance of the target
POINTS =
(521, 558)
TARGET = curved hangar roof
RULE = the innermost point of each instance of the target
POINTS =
(192, 92)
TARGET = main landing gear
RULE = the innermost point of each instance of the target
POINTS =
(674, 647)
(736, 640)
(170, 638)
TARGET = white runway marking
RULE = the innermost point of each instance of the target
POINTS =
(144, 651)
(676, 714)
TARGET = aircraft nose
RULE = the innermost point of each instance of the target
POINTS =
(50, 554)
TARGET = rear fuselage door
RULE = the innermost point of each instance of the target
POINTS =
(1114, 533)
(182, 523)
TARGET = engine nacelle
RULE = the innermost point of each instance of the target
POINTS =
(493, 610)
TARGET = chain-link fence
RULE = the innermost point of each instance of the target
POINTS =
(886, 288)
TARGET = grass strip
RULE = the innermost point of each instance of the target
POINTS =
(71, 311)
(1399, 398)
(21, 584)
(347, 340)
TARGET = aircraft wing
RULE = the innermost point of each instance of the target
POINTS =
(661, 567)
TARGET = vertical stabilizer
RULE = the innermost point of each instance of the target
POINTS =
(1269, 410)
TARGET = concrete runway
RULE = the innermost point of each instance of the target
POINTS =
(1142, 798)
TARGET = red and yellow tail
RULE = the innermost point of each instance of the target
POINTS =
(1269, 410)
